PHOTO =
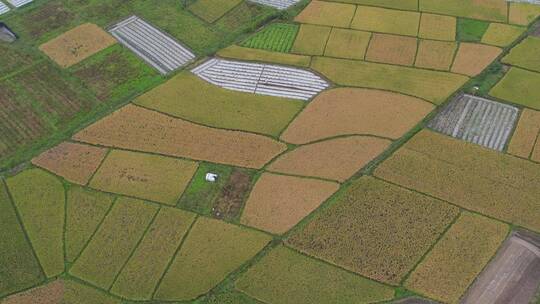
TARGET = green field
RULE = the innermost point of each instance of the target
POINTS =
(519, 86)
(277, 37)
(524, 54)
(471, 30)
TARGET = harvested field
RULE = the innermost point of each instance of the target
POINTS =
(50, 293)
(241, 53)
(84, 212)
(200, 195)
(526, 134)
(74, 162)
(388, 229)
(502, 35)
(524, 54)
(212, 250)
(146, 266)
(113, 243)
(512, 277)
(40, 201)
(471, 30)
(346, 111)
(189, 97)
(138, 129)
(471, 59)
(147, 176)
(212, 10)
(327, 13)
(344, 43)
(384, 20)
(491, 10)
(392, 49)
(437, 27)
(523, 13)
(410, 5)
(311, 39)
(277, 37)
(279, 4)
(77, 44)
(436, 55)
(158, 49)
(434, 86)
(116, 74)
(279, 202)
(230, 200)
(20, 267)
(337, 159)
(457, 258)
(465, 174)
(262, 79)
(519, 86)
(477, 120)
(287, 277)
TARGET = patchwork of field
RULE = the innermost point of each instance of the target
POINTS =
(270, 151)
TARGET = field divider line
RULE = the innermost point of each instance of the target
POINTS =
(21, 223)
(176, 252)
(135, 248)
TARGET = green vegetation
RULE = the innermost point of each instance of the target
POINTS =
(389, 229)
(458, 258)
(201, 195)
(189, 97)
(40, 200)
(85, 211)
(19, 267)
(519, 86)
(242, 53)
(231, 297)
(486, 80)
(116, 238)
(430, 85)
(525, 54)
(212, 10)
(212, 250)
(285, 276)
(277, 37)
(471, 30)
(490, 10)
(149, 261)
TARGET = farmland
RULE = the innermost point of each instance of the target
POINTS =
(269, 151)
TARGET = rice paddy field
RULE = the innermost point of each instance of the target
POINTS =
(269, 151)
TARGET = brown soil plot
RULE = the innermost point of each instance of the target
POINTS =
(279, 202)
(327, 13)
(526, 134)
(74, 162)
(435, 54)
(139, 129)
(152, 177)
(77, 44)
(51, 293)
(356, 111)
(231, 198)
(472, 59)
(336, 159)
(392, 49)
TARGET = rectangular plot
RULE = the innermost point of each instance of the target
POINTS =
(155, 47)
(4, 8)
(19, 3)
(491, 10)
(211, 10)
(477, 120)
(382, 20)
(516, 87)
(311, 40)
(525, 54)
(350, 44)
(116, 238)
(527, 131)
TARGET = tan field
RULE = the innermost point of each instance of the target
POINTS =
(139, 129)
(437, 27)
(77, 44)
(327, 13)
(526, 134)
(51, 293)
(434, 54)
(279, 202)
(472, 59)
(311, 39)
(74, 162)
(356, 111)
(392, 49)
(337, 159)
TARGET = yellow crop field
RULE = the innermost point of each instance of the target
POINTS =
(523, 13)
(502, 35)
(311, 39)
(345, 43)
(436, 55)
(437, 27)
(392, 49)
(327, 13)
(526, 134)
(375, 19)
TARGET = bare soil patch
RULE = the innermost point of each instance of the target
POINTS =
(77, 44)
(392, 49)
(356, 111)
(279, 202)
(336, 159)
(139, 129)
(51, 293)
(230, 201)
(472, 58)
(74, 162)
